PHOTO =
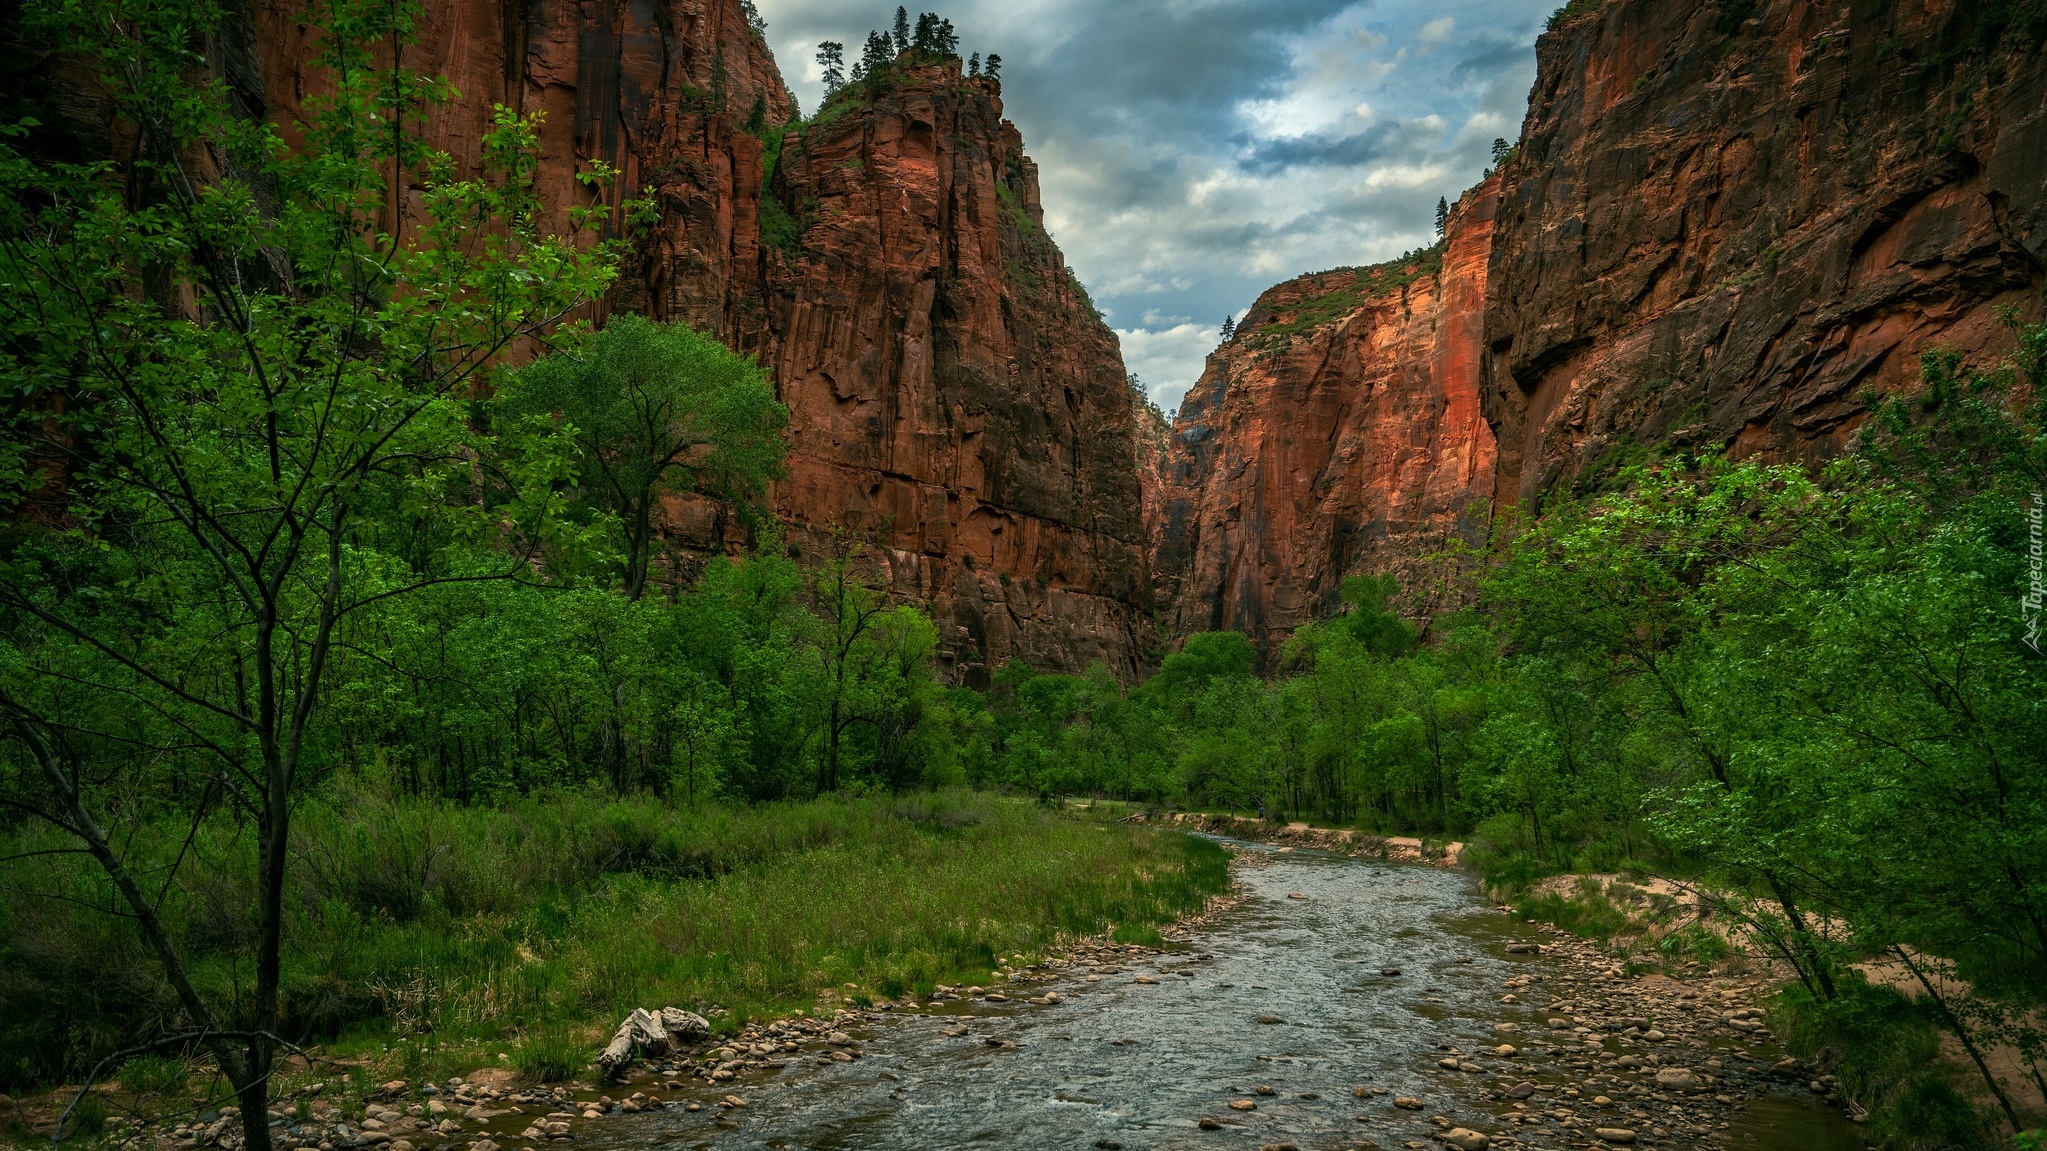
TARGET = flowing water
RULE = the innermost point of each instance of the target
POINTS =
(1119, 1063)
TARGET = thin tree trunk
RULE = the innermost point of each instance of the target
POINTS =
(1961, 1033)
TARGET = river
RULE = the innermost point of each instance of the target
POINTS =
(1119, 1063)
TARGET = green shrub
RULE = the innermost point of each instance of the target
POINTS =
(1884, 1050)
(153, 1075)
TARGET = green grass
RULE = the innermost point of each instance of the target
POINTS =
(1588, 913)
(440, 933)
(552, 1054)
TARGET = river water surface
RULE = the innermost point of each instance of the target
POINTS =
(1120, 1063)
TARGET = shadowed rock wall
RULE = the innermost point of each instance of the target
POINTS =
(1725, 220)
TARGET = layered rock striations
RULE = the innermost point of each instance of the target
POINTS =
(1726, 220)
(1338, 433)
(953, 394)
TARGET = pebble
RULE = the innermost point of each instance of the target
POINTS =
(1620, 1135)
(1407, 1103)
(1243, 1105)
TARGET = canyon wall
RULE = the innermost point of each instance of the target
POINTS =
(1725, 220)
(1338, 433)
(958, 410)
(953, 394)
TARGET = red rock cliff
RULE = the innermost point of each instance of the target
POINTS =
(1338, 433)
(953, 394)
(955, 400)
(1726, 219)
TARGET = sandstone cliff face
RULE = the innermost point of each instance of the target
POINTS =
(655, 88)
(1725, 220)
(1338, 433)
(953, 395)
(956, 405)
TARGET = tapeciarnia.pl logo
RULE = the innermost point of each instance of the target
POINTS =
(2034, 605)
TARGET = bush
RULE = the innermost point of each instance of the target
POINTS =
(1884, 1050)
(153, 1075)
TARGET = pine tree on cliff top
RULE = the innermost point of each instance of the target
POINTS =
(1230, 326)
(831, 56)
(1442, 215)
(879, 53)
(993, 68)
(974, 65)
(902, 29)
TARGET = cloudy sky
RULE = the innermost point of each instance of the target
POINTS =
(1195, 152)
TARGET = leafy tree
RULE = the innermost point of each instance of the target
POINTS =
(654, 407)
(260, 400)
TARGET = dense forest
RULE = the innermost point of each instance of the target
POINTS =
(330, 554)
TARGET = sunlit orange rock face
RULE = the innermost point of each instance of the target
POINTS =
(1725, 221)
(1338, 434)
(956, 404)
(952, 392)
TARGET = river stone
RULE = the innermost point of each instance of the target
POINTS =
(1620, 1135)
(1270, 1019)
(1389, 971)
(1243, 1105)
(1108, 1145)
(1209, 1123)
(1678, 1079)
(1464, 1139)
(1407, 1103)
(1522, 948)
(1146, 979)
(1521, 1090)
(1261, 1089)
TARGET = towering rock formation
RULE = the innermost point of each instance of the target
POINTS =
(1338, 433)
(957, 405)
(1726, 219)
(953, 394)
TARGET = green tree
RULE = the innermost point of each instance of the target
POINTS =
(653, 408)
(260, 400)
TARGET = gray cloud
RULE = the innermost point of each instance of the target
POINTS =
(1195, 152)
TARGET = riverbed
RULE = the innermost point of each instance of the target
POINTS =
(1334, 987)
